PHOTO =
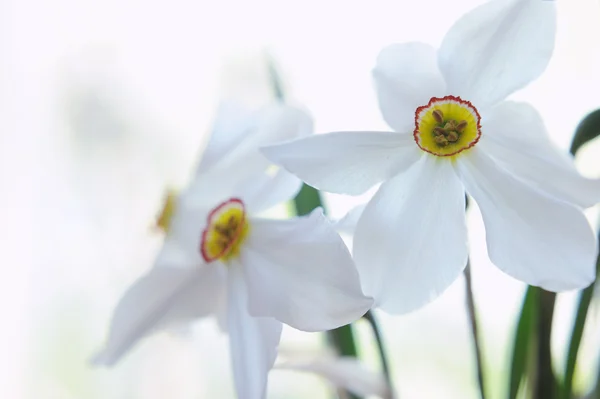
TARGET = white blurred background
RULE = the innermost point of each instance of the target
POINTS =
(103, 105)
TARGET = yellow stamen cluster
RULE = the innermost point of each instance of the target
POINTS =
(227, 228)
(447, 131)
(447, 126)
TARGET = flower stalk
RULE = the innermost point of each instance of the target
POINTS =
(385, 367)
(474, 325)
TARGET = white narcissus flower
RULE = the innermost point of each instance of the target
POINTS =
(456, 134)
(220, 259)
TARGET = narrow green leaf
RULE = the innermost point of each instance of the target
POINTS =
(587, 130)
(545, 384)
(524, 339)
(276, 84)
(583, 305)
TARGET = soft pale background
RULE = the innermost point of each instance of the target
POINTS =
(105, 104)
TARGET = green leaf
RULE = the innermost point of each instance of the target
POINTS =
(524, 340)
(587, 130)
(306, 200)
(585, 297)
(583, 305)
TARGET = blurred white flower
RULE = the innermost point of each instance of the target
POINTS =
(410, 241)
(347, 373)
(251, 273)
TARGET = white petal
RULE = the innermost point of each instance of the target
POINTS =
(182, 241)
(515, 136)
(300, 272)
(346, 162)
(270, 190)
(410, 243)
(406, 77)
(347, 224)
(344, 372)
(232, 122)
(497, 48)
(244, 162)
(530, 235)
(253, 340)
(161, 298)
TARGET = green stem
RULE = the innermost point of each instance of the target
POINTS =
(545, 386)
(370, 317)
(474, 329)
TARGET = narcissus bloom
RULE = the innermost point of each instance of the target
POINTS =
(456, 134)
(253, 274)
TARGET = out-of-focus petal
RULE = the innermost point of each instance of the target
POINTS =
(244, 162)
(515, 136)
(346, 162)
(406, 77)
(232, 123)
(410, 243)
(253, 340)
(497, 48)
(530, 235)
(269, 190)
(343, 372)
(163, 297)
(300, 272)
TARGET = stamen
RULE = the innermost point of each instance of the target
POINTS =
(163, 222)
(441, 140)
(439, 131)
(438, 116)
(461, 126)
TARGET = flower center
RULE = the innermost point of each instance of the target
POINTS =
(163, 221)
(447, 126)
(226, 229)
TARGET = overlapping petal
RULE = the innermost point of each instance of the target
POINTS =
(163, 297)
(268, 190)
(253, 340)
(516, 138)
(498, 48)
(244, 162)
(232, 123)
(301, 273)
(530, 235)
(406, 76)
(347, 224)
(345, 162)
(345, 372)
(410, 243)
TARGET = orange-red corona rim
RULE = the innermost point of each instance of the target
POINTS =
(447, 126)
